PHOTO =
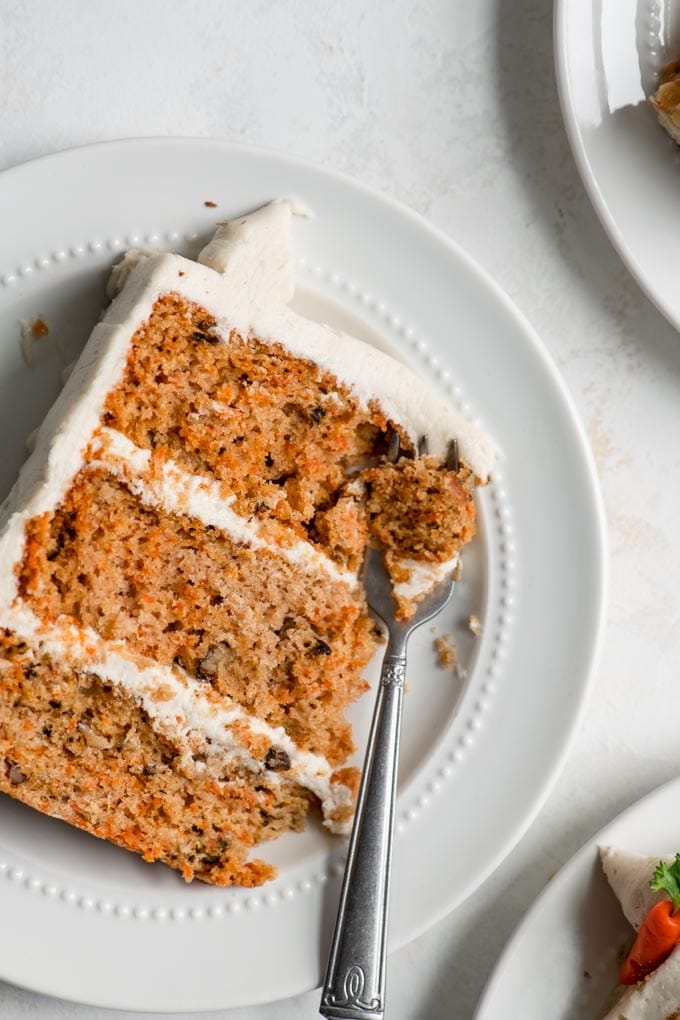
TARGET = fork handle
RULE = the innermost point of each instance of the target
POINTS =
(354, 988)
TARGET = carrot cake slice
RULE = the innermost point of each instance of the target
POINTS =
(182, 623)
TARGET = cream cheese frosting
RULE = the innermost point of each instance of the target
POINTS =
(422, 576)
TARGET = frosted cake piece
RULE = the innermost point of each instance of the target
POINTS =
(182, 624)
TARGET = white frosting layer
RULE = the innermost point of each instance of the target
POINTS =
(201, 497)
(422, 577)
(184, 709)
(256, 251)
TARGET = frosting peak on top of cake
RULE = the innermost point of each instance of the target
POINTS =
(256, 252)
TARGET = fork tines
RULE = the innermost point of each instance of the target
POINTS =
(394, 451)
(452, 461)
(393, 448)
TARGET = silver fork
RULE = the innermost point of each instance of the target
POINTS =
(354, 988)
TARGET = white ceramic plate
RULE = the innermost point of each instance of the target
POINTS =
(563, 960)
(609, 54)
(93, 923)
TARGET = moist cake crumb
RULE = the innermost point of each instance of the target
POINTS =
(446, 651)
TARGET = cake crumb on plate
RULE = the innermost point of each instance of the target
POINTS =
(446, 650)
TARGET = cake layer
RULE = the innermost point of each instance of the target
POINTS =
(82, 750)
(282, 435)
(287, 647)
(164, 483)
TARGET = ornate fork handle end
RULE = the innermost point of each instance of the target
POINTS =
(350, 1012)
(354, 988)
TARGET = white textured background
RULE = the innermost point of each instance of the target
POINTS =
(450, 106)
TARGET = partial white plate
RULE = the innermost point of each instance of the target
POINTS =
(563, 960)
(608, 55)
(87, 921)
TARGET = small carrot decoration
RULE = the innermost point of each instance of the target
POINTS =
(659, 932)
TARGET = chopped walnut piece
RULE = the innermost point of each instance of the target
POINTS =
(94, 739)
(221, 655)
(15, 774)
(277, 760)
(321, 648)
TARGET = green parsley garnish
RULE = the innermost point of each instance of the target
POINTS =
(667, 879)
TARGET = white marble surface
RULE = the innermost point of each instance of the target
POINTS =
(450, 107)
